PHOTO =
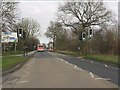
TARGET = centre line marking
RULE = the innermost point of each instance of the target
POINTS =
(91, 74)
(106, 65)
(102, 79)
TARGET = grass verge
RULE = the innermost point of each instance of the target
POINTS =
(8, 53)
(11, 61)
(111, 59)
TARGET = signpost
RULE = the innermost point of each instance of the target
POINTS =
(7, 37)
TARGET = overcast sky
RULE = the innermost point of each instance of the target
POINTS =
(45, 11)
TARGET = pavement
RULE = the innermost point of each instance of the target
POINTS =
(51, 70)
(19, 65)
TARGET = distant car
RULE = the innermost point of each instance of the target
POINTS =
(40, 48)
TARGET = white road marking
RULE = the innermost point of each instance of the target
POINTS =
(17, 66)
(22, 81)
(102, 79)
(27, 74)
(91, 74)
(15, 80)
(62, 59)
(66, 62)
(91, 61)
(75, 66)
(106, 65)
(69, 63)
(80, 69)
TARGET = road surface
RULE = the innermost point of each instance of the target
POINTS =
(53, 70)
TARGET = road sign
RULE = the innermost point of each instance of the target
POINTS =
(9, 37)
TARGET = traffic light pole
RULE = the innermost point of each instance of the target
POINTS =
(22, 35)
(83, 37)
(24, 49)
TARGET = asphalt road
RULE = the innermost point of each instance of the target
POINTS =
(100, 69)
(53, 70)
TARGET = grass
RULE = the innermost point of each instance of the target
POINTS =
(69, 53)
(105, 58)
(8, 53)
(112, 59)
(7, 61)
(10, 61)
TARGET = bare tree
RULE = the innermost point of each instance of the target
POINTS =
(53, 30)
(31, 27)
(57, 33)
(80, 15)
(8, 14)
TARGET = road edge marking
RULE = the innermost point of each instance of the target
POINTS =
(80, 69)
(22, 82)
(102, 79)
(66, 62)
(91, 74)
(75, 66)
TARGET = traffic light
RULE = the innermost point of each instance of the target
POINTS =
(83, 36)
(19, 33)
(90, 33)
